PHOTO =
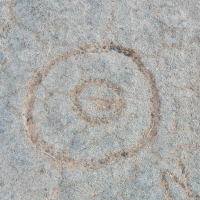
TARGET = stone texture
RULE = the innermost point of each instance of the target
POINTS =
(99, 100)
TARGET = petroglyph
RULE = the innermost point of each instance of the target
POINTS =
(168, 196)
(101, 103)
(94, 108)
(183, 182)
(81, 117)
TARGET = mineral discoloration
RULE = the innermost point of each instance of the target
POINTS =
(111, 157)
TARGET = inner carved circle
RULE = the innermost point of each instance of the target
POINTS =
(100, 104)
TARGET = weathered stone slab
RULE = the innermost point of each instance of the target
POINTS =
(99, 100)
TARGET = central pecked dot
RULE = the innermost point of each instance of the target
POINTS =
(97, 101)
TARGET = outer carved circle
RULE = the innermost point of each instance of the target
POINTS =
(63, 158)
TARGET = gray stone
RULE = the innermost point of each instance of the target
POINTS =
(99, 100)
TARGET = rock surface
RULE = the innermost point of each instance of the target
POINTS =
(99, 100)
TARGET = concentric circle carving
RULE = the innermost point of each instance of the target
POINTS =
(103, 98)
